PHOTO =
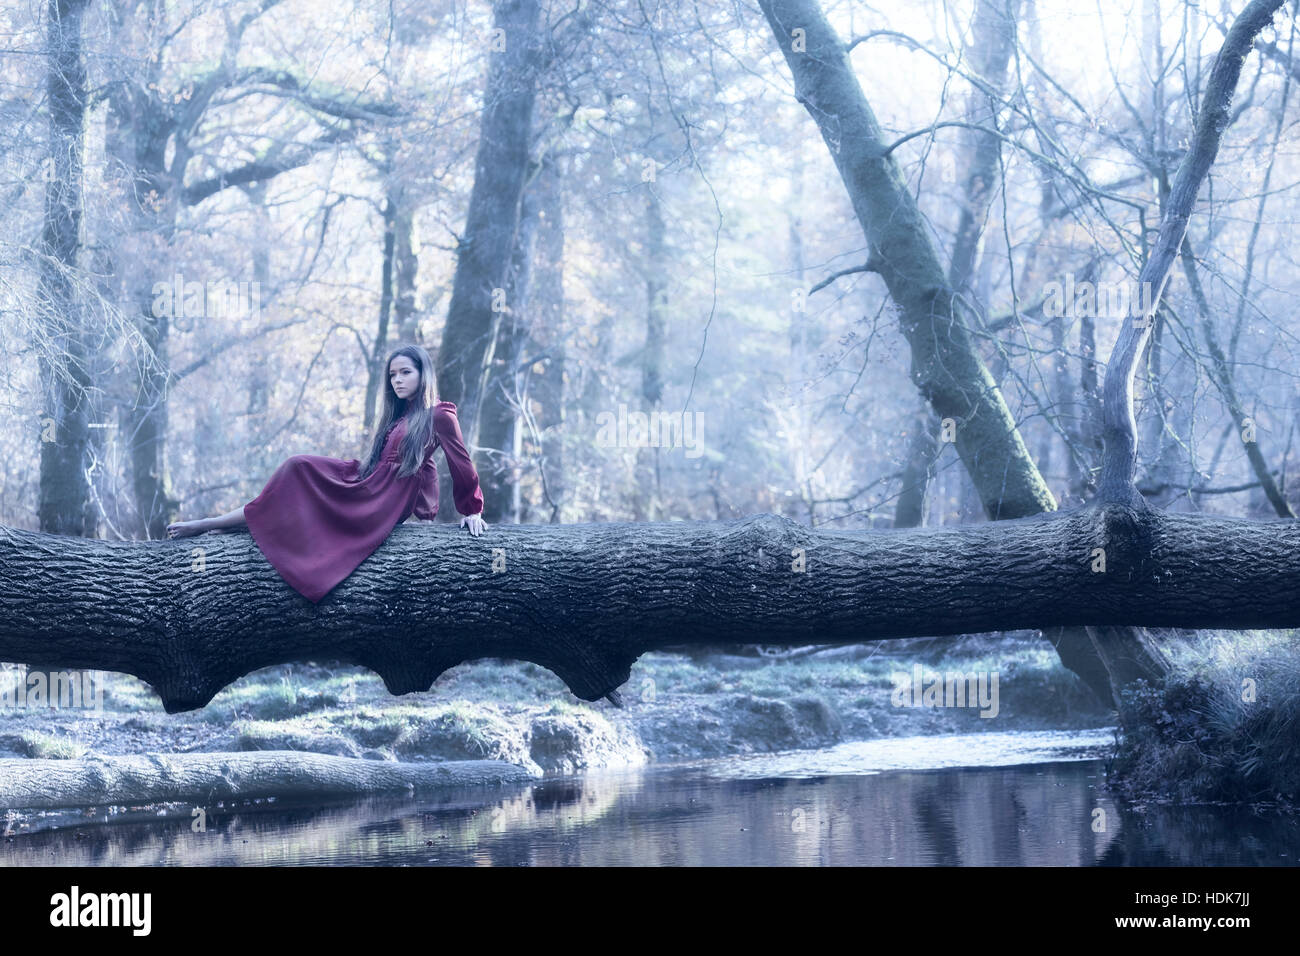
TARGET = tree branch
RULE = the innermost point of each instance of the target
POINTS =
(1119, 426)
(252, 172)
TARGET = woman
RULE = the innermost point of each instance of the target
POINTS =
(318, 518)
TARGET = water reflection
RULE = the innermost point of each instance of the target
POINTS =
(721, 813)
(1029, 815)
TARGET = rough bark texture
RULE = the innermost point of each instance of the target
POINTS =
(994, 33)
(64, 503)
(506, 384)
(946, 368)
(484, 253)
(547, 346)
(189, 617)
(156, 778)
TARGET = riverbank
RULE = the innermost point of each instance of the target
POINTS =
(492, 712)
(675, 708)
(1224, 729)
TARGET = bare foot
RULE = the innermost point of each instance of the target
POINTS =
(183, 529)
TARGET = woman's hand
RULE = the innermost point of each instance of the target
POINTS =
(475, 523)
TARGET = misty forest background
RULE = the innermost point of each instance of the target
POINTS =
(678, 206)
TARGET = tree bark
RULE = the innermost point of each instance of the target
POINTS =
(484, 252)
(1119, 428)
(506, 384)
(647, 498)
(946, 367)
(378, 376)
(547, 343)
(190, 617)
(918, 472)
(64, 505)
(157, 778)
(406, 266)
(993, 36)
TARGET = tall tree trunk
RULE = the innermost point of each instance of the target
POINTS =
(992, 39)
(1119, 427)
(547, 339)
(136, 138)
(1077, 407)
(945, 366)
(507, 390)
(259, 379)
(1170, 473)
(64, 502)
(1090, 419)
(656, 292)
(648, 496)
(484, 252)
(406, 265)
(64, 505)
(1119, 430)
(378, 374)
(918, 471)
(993, 35)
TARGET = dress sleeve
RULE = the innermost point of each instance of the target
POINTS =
(426, 500)
(466, 490)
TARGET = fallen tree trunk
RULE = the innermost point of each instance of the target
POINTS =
(586, 600)
(159, 778)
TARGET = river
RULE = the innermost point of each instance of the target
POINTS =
(979, 799)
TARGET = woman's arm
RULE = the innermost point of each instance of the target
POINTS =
(464, 478)
(466, 490)
(426, 500)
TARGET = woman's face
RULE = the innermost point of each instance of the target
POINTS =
(403, 376)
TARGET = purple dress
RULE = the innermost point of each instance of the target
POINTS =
(315, 521)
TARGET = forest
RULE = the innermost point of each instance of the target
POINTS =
(835, 375)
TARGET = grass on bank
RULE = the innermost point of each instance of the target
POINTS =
(1225, 727)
